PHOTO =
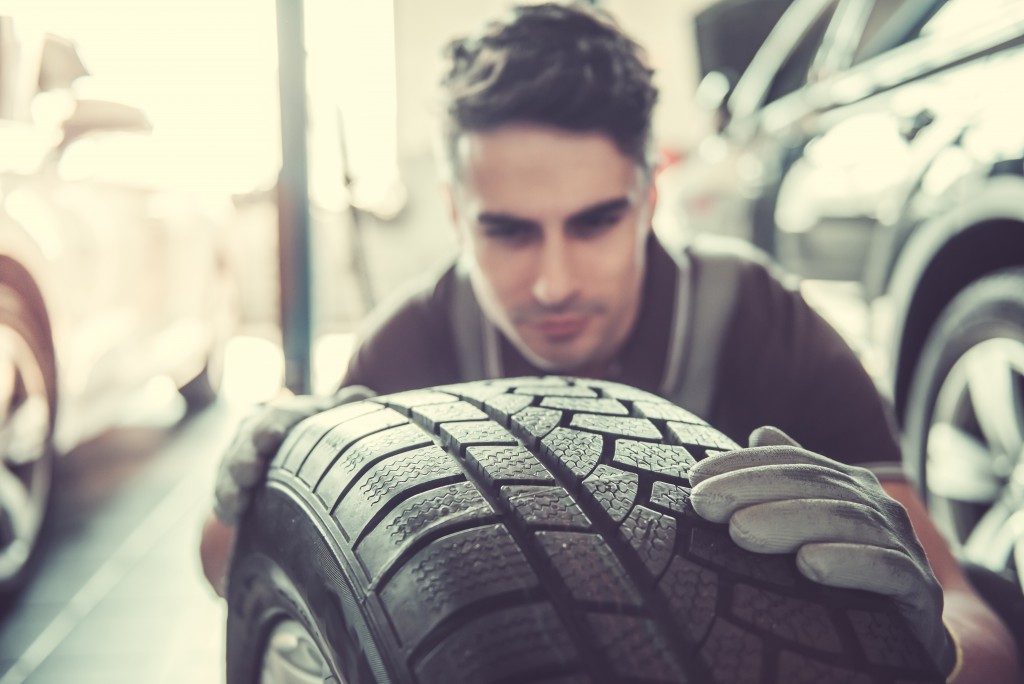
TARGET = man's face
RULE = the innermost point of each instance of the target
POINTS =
(552, 225)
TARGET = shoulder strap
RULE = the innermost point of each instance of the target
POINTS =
(475, 338)
(711, 293)
(680, 325)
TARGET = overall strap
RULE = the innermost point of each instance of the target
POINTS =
(475, 338)
(679, 327)
(706, 298)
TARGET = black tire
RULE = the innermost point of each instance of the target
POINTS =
(535, 529)
(19, 315)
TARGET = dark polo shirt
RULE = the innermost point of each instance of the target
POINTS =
(779, 362)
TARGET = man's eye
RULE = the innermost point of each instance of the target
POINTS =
(595, 226)
(511, 234)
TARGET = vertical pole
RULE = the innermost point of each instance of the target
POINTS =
(293, 200)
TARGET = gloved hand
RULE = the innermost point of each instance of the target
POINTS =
(847, 532)
(259, 436)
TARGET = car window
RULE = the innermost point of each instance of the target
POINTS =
(957, 16)
(892, 23)
(881, 12)
(730, 32)
(793, 73)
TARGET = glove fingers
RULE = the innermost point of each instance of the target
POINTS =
(267, 439)
(883, 571)
(858, 566)
(245, 464)
(229, 500)
(768, 435)
(265, 434)
(753, 457)
(717, 498)
(259, 436)
(785, 526)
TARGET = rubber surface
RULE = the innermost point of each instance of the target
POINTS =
(535, 529)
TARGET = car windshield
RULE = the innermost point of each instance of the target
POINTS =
(958, 16)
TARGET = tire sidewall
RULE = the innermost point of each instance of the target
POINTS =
(269, 598)
(983, 310)
(283, 568)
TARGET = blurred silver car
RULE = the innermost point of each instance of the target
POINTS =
(108, 277)
(899, 166)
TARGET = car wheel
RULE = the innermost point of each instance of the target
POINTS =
(965, 420)
(26, 428)
(526, 530)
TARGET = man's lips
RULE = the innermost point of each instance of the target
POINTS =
(560, 327)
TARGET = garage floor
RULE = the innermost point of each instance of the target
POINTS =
(120, 596)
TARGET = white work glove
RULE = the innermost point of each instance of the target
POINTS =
(244, 465)
(846, 531)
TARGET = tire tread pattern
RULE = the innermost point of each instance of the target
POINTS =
(540, 529)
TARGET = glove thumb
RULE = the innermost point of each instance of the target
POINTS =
(771, 436)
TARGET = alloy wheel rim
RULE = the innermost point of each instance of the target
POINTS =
(974, 471)
(25, 468)
(291, 656)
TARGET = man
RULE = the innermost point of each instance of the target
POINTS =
(547, 129)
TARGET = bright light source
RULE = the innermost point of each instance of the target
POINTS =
(351, 71)
(203, 72)
(253, 370)
(331, 354)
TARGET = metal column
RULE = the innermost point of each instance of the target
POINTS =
(293, 200)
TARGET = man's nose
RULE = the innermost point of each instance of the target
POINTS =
(553, 284)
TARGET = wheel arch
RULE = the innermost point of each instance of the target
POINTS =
(942, 257)
(17, 276)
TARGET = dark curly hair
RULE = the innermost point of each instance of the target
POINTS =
(569, 66)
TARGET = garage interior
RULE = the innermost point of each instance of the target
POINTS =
(249, 105)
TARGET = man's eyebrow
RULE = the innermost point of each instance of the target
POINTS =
(599, 209)
(499, 218)
(606, 207)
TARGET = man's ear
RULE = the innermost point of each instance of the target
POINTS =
(652, 195)
(651, 203)
(448, 190)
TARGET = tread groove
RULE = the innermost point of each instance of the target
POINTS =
(395, 501)
(626, 556)
(397, 562)
(462, 616)
(538, 561)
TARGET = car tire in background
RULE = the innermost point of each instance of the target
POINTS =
(27, 404)
(535, 529)
(965, 420)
